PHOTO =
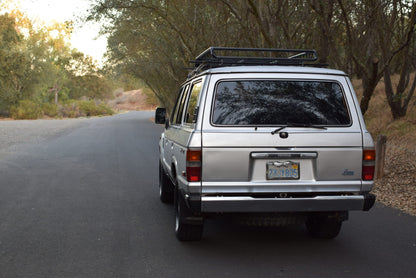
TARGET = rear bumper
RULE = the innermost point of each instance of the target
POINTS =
(318, 203)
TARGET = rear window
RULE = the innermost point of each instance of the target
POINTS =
(279, 102)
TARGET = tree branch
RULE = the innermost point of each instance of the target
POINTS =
(260, 23)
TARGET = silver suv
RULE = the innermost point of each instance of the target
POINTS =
(268, 135)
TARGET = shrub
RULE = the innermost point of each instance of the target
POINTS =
(50, 110)
(26, 109)
(70, 110)
(89, 108)
(105, 109)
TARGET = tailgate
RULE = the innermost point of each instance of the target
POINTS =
(306, 161)
(245, 152)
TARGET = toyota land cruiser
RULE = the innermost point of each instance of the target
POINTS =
(269, 132)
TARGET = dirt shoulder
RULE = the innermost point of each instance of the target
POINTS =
(397, 188)
(24, 131)
(135, 100)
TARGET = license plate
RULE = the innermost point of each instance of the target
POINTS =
(282, 170)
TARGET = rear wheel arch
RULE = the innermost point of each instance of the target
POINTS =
(166, 187)
(188, 227)
(173, 173)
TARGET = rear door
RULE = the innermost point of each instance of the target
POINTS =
(179, 134)
(174, 128)
(280, 133)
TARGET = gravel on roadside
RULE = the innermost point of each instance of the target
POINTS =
(398, 186)
(26, 131)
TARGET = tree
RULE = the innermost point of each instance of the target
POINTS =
(38, 63)
(360, 20)
(328, 35)
(12, 63)
(396, 34)
(154, 40)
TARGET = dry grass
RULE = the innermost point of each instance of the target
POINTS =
(379, 119)
(133, 100)
(398, 187)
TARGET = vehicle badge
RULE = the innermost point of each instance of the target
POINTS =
(348, 173)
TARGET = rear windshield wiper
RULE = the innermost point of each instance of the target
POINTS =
(297, 125)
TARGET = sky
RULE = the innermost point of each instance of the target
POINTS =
(85, 37)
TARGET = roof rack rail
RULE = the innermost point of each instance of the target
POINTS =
(210, 58)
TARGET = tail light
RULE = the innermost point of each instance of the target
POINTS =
(369, 160)
(193, 165)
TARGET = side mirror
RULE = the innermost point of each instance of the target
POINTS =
(160, 116)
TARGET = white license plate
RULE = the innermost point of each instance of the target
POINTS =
(282, 170)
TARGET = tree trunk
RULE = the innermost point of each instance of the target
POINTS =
(394, 101)
(56, 97)
(397, 101)
(369, 81)
(324, 11)
(55, 91)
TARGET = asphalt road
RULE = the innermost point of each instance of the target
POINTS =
(85, 204)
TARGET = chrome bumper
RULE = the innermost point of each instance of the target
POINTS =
(318, 203)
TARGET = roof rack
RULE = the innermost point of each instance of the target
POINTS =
(210, 58)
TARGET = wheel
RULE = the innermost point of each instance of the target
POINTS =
(322, 227)
(166, 188)
(188, 227)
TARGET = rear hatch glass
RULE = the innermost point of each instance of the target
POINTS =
(279, 102)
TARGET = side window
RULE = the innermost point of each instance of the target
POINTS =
(177, 114)
(192, 111)
(175, 108)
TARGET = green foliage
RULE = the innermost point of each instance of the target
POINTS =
(150, 97)
(104, 109)
(50, 110)
(69, 110)
(12, 63)
(26, 109)
(83, 108)
(154, 40)
(90, 108)
(43, 67)
(91, 86)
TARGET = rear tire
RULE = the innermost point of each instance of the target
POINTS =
(166, 188)
(188, 227)
(322, 227)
